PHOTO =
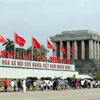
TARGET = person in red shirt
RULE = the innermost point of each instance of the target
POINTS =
(77, 85)
(5, 84)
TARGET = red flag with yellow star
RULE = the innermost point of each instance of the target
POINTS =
(2, 39)
(71, 50)
(63, 50)
(2, 54)
(50, 46)
(19, 40)
(36, 44)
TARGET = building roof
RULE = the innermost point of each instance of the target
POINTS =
(76, 35)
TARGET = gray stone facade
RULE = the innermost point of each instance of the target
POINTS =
(76, 36)
(87, 66)
(86, 49)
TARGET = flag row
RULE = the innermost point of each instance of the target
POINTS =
(21, 42)
(23, 56)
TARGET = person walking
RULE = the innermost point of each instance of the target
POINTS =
(28, 83)
(24, 85)
(44, 85)
(49, 85)
(5, 83)
(12, 85)
(19, 85)
(34, 85)
(15, 85)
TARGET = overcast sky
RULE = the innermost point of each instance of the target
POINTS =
(44, 18)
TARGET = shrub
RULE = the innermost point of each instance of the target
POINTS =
(48, 78)
(97, 76)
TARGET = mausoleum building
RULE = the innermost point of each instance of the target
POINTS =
(86, 45)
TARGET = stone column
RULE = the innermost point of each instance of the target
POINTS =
(55, 46)
(61, 55)
(82, 50)
(75, 50)
(91, 47)
(97, 50)
(68, 50)
(94, 50)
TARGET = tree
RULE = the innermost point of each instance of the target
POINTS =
(43, 51)
(74, 77)
(42, 78)
(48, 78)
(34, 78)
(97, 76)
(29, 51)
(20, 50)
(9, 46)
(56, 78)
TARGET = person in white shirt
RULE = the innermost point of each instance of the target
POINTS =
(82, 83)
(12, 83)
(98, 84)
(49, 88)
(24, 85)
(94, 83)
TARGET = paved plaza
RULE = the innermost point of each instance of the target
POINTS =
(84, 94)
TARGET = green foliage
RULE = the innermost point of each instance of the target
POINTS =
(98, 76)
(10, 47)
(32, 78)
(74, 77)
(35, 78)
(20, 50)
(42, 78)
(56, 78)
(48, 78)
(43, 51)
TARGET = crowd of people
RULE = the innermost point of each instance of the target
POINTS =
(41, 85)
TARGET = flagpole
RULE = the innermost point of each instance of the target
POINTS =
(47, 53)
(32, 53)
(73, 53)
(32, 50)
(14, 47)
(40, 55)
(14, 50)
(47, 50)
(61, 54)
(21, 54)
